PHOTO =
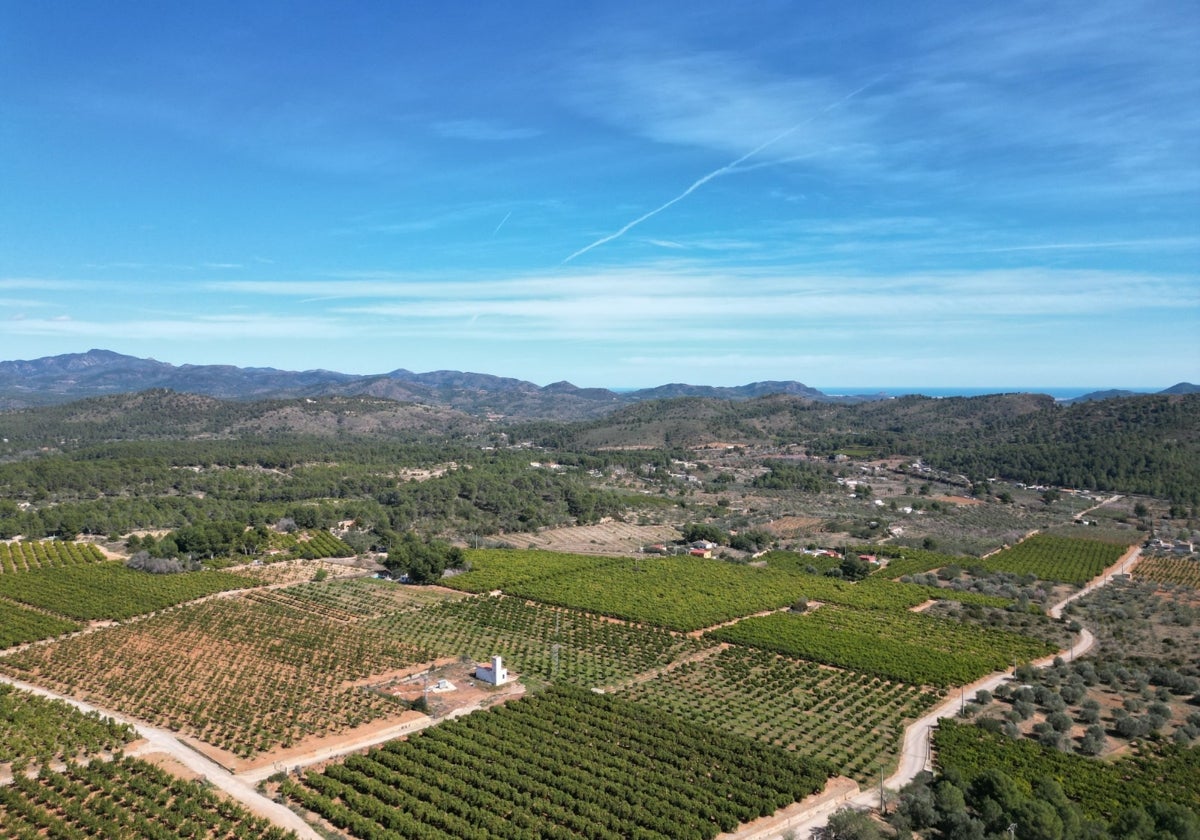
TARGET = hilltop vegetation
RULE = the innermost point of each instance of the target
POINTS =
(163, 460)
(1148, 444)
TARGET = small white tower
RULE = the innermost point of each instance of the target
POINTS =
(496, 673)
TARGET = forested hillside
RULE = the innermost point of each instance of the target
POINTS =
(160, 414)
(162, 459)
(1146, 444)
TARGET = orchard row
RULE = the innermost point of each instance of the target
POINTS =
(564, 764)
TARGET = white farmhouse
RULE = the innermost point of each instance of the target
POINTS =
(493, 674)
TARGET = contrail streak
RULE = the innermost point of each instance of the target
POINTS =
(727, 168)
(502, 221)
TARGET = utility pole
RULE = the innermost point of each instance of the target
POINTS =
(882, 802)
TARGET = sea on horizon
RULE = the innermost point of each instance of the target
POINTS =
(1063, 393)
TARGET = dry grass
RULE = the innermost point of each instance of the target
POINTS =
(607, 538)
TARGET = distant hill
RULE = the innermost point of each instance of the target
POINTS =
(1148, 443)
(1144, 444)
(55, 380)
(1182, 388)
(160, 414)
(59, 379)
(1118, 393)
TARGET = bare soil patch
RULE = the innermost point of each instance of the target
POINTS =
(791, 526)
(172, 765)
(962, 501)
(287, 572)
(696, 634)
(312, 746)
(411, 674)
(467, 693)
(606, 538)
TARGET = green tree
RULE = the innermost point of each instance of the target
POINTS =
(848, 824)
(696, 531)
(424, 561)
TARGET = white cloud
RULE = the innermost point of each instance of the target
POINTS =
(720, 102)
(38, 284)
(678, 304)
(216, 328)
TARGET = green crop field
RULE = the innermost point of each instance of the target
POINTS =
(112, 591)
(127, 799)
(19, 625)
(566, 763)
(897, 645)
(851, 720)
(547, 642)
(504, 569)
(1049, 557)
(686, 593)
(35, 728)
(24, 556)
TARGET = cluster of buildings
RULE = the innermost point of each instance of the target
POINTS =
(699, 548)
(1167, 546)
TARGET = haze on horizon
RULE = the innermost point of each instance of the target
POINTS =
(617, 196)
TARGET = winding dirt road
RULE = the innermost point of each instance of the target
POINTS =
(917, 754)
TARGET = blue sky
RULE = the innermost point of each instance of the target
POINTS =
(998, 195)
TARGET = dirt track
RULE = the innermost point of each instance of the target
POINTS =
(161, 741)
(916, 754)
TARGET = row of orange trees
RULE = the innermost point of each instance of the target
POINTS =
(246, 677)
(126, 799)
(852, 720)
(681, 593)
(19, 625)
(1179, 571)
(1050, 557)
(110, 590)
(33, 728)
(539, 640)
(23, 556)
(566, 763)
(906, 646)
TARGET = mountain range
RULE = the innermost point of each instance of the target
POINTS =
(57, 379)
(65, 378)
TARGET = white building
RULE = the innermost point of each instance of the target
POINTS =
(493, 674)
